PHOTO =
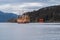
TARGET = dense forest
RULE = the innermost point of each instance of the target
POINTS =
(49, 14)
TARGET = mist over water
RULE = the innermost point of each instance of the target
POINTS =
(33, 31)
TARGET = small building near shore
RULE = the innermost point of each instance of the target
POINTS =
(23, 19)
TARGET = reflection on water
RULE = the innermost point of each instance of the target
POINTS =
(29, 31)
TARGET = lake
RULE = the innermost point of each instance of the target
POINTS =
(31, 31)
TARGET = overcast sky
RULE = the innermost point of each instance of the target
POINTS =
(20, 6)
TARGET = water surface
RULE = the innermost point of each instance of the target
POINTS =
(14, 31)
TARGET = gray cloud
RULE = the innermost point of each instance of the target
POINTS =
(17, 6)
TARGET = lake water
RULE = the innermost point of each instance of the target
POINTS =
(14, 31)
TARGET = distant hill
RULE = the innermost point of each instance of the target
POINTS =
(49, 14)
(4, 17)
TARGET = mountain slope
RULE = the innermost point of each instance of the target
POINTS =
(4, 17)
(49, 14)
